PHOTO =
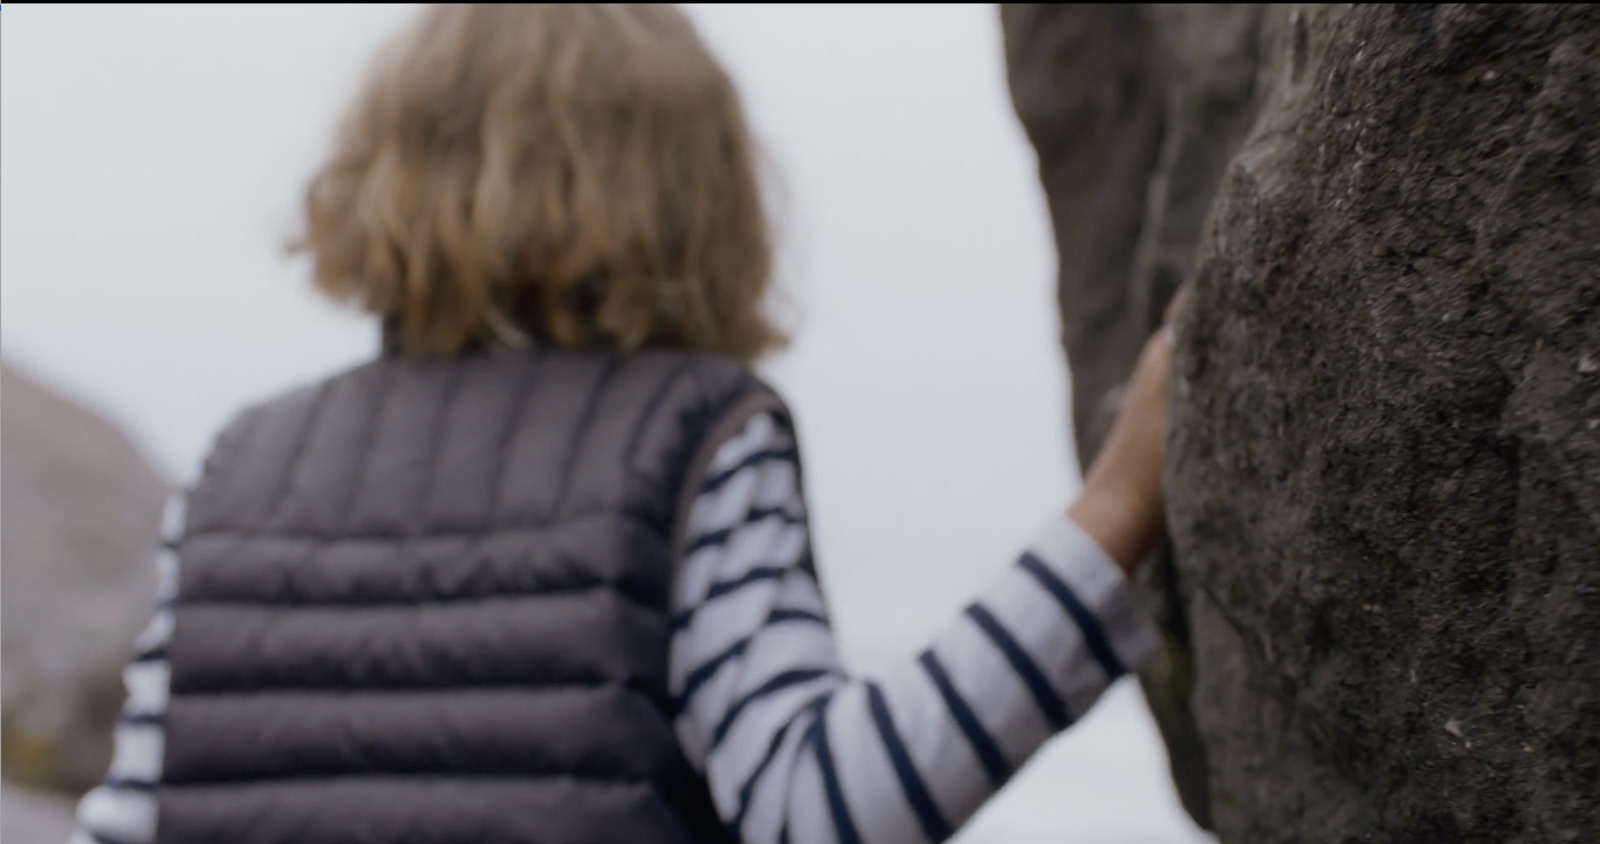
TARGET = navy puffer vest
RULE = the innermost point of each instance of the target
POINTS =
(428, 603)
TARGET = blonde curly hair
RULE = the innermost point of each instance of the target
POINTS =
(577, 173)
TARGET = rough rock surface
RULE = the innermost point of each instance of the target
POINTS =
(1384, 454)
(80, 508)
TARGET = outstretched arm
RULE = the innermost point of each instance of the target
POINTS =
(794, 749)
(797, 751)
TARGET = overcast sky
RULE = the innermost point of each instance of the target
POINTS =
(152, 159)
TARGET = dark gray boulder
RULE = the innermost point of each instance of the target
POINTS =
(1384, 451)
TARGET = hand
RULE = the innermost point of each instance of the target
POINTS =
(1121, 506)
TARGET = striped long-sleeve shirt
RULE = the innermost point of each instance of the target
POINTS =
(794, 748)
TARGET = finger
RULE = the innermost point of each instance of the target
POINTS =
(1175, 307)
(1155, 361)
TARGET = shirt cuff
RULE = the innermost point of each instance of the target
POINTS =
(1099, 584)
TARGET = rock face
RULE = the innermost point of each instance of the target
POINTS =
(80, 509)
(1384, 450)
(1134, 111)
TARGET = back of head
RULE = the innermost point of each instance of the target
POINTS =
(577, 173)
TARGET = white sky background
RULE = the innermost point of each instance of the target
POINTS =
(152, 159)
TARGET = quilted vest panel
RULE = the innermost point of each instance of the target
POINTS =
(428, 602)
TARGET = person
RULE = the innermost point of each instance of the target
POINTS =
(541, 570)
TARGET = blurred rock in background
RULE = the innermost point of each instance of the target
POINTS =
(79, 520)
(34, 817)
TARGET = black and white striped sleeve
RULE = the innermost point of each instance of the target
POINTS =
(797, 751)
(122, 810)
